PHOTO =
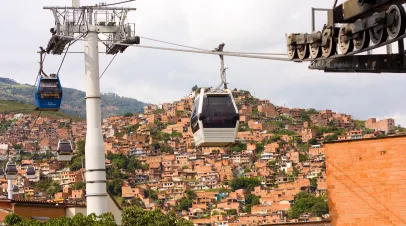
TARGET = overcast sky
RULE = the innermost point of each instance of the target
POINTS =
(157, 76)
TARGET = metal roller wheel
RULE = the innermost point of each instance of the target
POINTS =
(398, 27)
(292, 53)
(377, 36)
(330, 48)
(303, 51)
(315, 51)
(344, 46)
(362, 41)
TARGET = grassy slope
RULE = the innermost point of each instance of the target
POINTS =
(8, 106)
(73, 102)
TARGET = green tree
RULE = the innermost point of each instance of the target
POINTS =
(132, 128)
(231, 212)
(151, 193)
(272, 164)
(17, 146)
(313, 141)
(80, 146)
(237, 147)
(190, 194)
(184, 203)
(135, 164)
(114, 187)
(308, 203)
(48, 185)
(78, 185)
(313, 183)
(251, 200)
(295, 172)
(136, 216)
(303, 157)
(128, 114)
(330, 138)
(245, 183)
(12, 219)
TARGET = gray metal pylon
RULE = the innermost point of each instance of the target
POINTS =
(92, 20)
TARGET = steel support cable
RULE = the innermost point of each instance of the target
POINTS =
(108, 66)
(190, 47)
(63, 59)
(67, 49)
(210, 53)
(170, 43)
(335, 3)
(203, 52)
(271, 54)
(39, 74)
(117, 3)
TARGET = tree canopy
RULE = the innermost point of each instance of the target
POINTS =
(308, 203)
(245, 183)
(133, 216)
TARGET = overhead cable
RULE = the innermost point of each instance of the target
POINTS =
(203, 52)
(271, 54)
(63, 60)
(170, 43)
(67, 49)
(117, 3)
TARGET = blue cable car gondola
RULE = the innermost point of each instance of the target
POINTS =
(48, 93)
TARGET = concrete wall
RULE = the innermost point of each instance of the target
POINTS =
(112, 207)
(72, 211)
(366, 181)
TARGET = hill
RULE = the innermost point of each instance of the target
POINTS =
(73, 100)
(11, 106)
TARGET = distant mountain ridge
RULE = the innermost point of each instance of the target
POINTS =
(73, 100)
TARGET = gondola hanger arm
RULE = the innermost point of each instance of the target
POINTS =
(41, 62)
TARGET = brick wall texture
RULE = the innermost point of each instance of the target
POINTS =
(366, 182)
(27, 212)
(314, 223)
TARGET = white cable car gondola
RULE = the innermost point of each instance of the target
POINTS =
(31, 172)
(64, 151)
(215, 118)
(11, 171)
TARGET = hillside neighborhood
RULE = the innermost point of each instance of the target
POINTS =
(274, 173)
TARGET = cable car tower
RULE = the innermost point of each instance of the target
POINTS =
(89, 22)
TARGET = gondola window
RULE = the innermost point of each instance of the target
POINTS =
(219, 112)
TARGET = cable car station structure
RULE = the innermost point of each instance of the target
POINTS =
(366, 25)
(215, 119)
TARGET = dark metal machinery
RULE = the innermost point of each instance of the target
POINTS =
(365, 25)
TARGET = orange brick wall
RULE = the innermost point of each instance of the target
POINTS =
(366, 181)
(27, 212)
(314, 223)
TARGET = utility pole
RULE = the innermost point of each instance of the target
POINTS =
(89, 22)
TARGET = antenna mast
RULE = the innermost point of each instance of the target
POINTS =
(89, 22)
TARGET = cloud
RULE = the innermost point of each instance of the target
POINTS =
(162, 76)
